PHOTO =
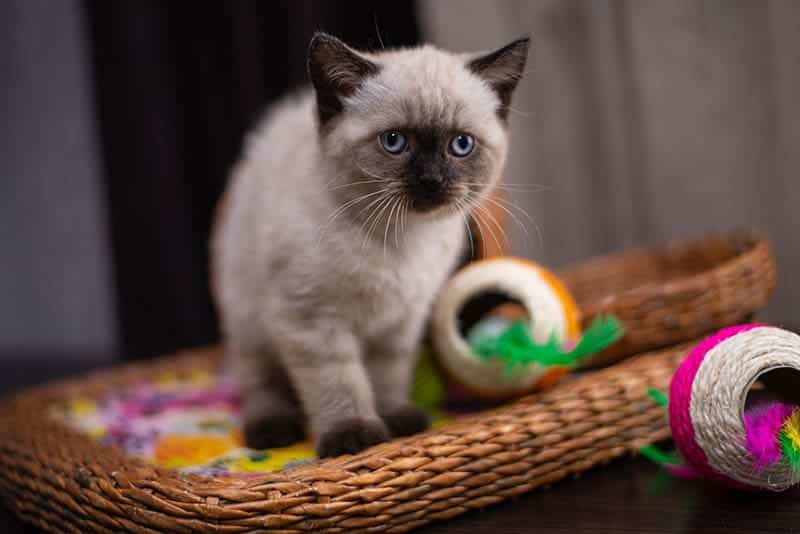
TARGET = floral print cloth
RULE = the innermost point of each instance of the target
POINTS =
(190, 423)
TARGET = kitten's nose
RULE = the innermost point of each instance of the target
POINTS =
(432, 179)
(430, 184)
(427, 192)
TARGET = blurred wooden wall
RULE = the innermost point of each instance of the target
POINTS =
(649, 120)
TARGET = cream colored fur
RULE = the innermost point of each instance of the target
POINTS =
(314, 306)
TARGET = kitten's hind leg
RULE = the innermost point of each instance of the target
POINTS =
(271, 414)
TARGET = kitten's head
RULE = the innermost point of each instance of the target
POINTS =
(423, 125)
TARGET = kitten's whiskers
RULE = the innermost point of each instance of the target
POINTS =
(377, 31)
(361, 182)
(400, 203)
(395, 204)
(499, 203)
(372, 174)
(341, 209)
(481, 210)
(521, 113)
(460, 209)
(496, 223)
(513, 188)
(406, 205)
(374, 216)
(372, 207)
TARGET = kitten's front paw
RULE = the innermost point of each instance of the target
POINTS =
(350, 436)
(406, 421)
(273, 431)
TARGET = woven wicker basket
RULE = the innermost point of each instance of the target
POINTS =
(669, 295)
(62, 481)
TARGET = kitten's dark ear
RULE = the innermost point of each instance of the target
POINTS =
(336, 71)
(502, 70)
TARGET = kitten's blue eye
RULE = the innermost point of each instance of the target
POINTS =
(461, 145)
(393, 141)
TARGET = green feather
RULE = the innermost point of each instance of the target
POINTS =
(659, 396)
(516, 347)
(790, 451)
(656, 455)
(604, 331)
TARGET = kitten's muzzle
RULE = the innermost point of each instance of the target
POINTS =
(428, 193)
(429, 178)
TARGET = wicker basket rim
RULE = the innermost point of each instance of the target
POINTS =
(749, 242)
(42, 399)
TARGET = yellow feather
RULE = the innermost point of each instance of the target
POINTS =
(791, 428)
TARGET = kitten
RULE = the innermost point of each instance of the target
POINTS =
(344, 216)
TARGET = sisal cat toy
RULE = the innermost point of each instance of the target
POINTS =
(720, 432)
(503, 327)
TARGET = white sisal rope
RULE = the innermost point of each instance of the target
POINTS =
(719, 392)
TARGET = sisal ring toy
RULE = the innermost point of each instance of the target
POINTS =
(722, 437)
(551, 311)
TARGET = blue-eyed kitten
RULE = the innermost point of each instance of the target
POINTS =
(344, 216)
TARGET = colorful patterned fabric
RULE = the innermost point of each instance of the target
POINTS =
(191, 424)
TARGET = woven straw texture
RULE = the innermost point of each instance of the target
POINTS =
(64, 482)
(676, 293)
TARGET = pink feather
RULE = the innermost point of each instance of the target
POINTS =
(762, 425)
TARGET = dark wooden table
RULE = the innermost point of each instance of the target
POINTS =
(626, 496)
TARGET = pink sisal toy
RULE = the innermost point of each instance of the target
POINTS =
(720, 438)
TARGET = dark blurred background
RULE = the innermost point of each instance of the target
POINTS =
(645, 121)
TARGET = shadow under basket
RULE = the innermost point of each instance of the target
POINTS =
(63, 480)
